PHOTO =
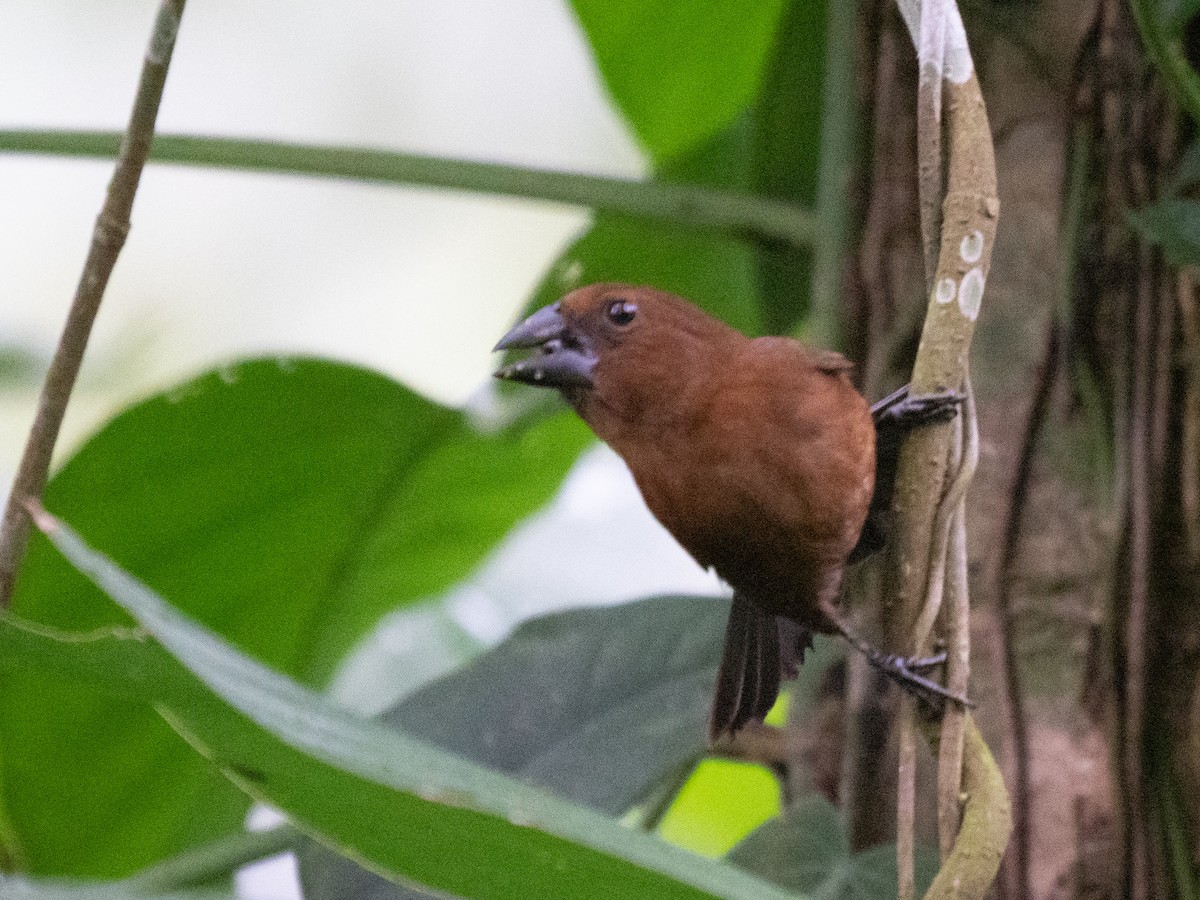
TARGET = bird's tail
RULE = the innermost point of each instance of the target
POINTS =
(761, 650)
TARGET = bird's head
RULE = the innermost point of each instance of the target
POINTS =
(616, 346)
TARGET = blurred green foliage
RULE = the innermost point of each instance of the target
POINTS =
(287, 505)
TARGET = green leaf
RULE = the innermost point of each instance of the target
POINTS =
(1174, 225)
(808, 851)
(799, 853)
(1188, 172)
(18, 888)
(1174, 15)
(786, 155)
(411, 810)
(286, 504)
(771, 146)
(680, 70)
(712, 271)
(598, 705)
(717, 272)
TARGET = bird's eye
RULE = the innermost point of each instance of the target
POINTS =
(621, 312)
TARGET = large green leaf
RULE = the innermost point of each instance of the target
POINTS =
(287, 505)
(680, 70)
(715, 271)
(786, 154)
(769, 144)
(808, 851)
(1173, 224)
(413, 811)
(1174, 15)
(598, 705)
(18, 888)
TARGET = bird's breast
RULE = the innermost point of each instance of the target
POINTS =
(772, 500)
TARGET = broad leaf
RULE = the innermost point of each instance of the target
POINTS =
(597, 705)
(414, 811)
(285, 504)
(808, 851)
(680, 70)
(714, 271)
(771, 145)
(14, 887)
(786, 154)
(1174, 15)
(1188, 173)
(1174, 225)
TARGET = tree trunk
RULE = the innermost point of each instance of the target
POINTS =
(1084, 517)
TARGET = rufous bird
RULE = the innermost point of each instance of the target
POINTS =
(757, 455)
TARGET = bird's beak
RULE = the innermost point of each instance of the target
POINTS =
(563, 360)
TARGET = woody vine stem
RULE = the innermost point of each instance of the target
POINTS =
(928, 560)
(108, 237)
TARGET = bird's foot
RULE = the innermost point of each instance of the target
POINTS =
(919, 664)
(904, 410)
(906, 672)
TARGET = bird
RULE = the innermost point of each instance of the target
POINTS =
(758, 455)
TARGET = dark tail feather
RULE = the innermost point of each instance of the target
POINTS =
(760, 650)
(794, 640)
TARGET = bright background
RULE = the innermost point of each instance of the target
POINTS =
(415, 283)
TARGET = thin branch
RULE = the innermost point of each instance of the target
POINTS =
(838, 126)
(969, 213)
(662, 797)
(1189, 450)
(698, 207)
(969, 871)
(218, 859)
(931, 53)
(1009, 682)
(108, 237)
(958, 628)
(1136, 625)
(951, 741)
(965, 461)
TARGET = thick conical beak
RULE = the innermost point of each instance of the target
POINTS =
(563, 359)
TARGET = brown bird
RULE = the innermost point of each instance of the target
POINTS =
(757, 455)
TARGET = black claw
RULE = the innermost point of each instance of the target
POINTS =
(904, 410)
(903, 671)
(929, 662)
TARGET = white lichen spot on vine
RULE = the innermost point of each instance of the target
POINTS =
(970, 294)
(228, 374)
(286, 364)
(946, 289)
(971, 248)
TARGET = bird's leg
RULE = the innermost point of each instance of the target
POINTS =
(895, 416)
(902, 670)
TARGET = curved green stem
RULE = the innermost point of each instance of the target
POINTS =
(698, 207)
